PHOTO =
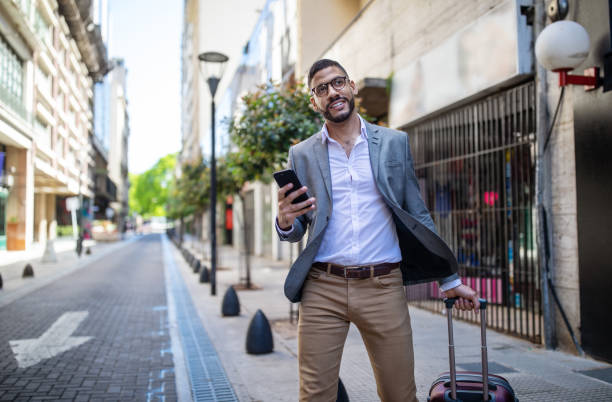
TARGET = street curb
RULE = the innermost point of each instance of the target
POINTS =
(206, 373)
(181, 376)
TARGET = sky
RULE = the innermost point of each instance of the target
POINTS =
(147, 35)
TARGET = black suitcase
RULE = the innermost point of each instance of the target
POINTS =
(467, 386)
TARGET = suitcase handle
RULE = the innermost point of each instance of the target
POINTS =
(450, 302)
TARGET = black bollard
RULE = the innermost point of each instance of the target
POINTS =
(231, 305)
(259, 335)
(79, 245)
(196, 266)
(342, 395)
(204, 274)
(28, 271)
(1, 281)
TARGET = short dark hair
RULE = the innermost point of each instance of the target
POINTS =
(320, 65)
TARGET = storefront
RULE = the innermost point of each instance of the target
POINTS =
(476, 169)
(468, 106)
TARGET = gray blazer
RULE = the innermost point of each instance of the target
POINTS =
(425, 256)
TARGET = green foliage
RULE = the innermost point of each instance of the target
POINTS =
(190, 191)
(231, 174)
(149, 191)
(273, 118)
(64, 230)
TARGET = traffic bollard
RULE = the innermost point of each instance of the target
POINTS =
(204, 274)
(259, 335)
(196, 266)
(28, 271)
(230, 306)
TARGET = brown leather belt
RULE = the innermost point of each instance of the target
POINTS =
(358, 271)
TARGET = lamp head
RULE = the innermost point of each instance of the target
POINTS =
(213, 65)
(562, 45)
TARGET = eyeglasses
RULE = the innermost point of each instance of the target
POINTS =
(322, 89)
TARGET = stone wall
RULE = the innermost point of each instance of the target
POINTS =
(389, 34)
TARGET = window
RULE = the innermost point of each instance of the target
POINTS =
(43, 132)
(71, 157)
(42, 28)
(61, 102)
(59, 147)
(44, 81)
(72, 117)
(25, 6)
(11, 74)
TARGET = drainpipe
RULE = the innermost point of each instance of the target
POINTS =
(543, 192)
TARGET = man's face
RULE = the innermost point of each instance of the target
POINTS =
(337, 104)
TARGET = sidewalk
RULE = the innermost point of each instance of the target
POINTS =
(12, 265)
(37, 249)
(535, 373)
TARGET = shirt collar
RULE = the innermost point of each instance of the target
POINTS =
(325, 134)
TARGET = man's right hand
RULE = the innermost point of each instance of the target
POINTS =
(287, 212)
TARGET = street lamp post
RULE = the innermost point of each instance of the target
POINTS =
(214, 64)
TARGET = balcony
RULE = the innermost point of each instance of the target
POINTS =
(104, 187)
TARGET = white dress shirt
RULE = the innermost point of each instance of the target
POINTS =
(361, 230)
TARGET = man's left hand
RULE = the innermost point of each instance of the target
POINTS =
(467, 297)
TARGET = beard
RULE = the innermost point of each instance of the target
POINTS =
(342, 116)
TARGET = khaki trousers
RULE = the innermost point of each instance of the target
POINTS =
(377, 306)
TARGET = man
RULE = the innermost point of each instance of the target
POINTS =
(369, 233)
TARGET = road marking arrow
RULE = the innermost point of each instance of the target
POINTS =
(54, 341)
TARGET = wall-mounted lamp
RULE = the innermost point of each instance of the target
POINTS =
(7, 179)
(563, 46)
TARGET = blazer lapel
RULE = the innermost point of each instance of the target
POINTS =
(322, 155)
(374, 139)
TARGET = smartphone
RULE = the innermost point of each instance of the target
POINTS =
(285, 177)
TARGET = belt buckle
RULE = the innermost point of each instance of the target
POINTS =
(346, 269)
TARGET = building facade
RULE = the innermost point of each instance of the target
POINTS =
(203, 20)
(190, 84)
(119, 132)
(516, 204)
(51, 55)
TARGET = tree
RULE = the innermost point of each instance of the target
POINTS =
(272, 119)
(189, 194)
(149, 191)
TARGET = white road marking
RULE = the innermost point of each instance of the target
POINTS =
(54, 341)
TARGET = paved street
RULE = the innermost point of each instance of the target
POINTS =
(114, 310)
(132, 322)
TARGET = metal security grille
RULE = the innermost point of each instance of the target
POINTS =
(476, 169)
